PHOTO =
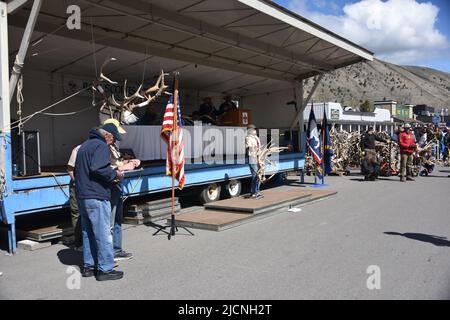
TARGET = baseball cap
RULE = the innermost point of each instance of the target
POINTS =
(407, 125)
(116, 123)
(109, 127)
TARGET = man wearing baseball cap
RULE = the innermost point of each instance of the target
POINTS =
(118, 163)
(94, 180)
(407, 145)
(116, 123)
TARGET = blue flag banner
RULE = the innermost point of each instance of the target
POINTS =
(327, 148)
(313, 142)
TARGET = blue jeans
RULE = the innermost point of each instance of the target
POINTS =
(116, 217)
(97, 240)
(256, 183)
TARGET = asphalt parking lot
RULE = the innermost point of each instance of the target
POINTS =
(329, 250)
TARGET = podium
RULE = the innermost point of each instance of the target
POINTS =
(237, 118)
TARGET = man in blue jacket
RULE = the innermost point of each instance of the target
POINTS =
(95, 177)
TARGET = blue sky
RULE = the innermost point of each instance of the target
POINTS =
(407, 32)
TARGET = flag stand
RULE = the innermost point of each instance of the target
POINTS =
(173, 226)
(322, 184)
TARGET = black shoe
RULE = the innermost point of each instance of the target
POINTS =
(122, 255)
(87, 272)
(112, 275)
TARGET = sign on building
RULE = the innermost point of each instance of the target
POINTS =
(402, 112)
(334, 114)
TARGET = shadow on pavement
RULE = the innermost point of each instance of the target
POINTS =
(379, 179)
(430, 176)
(70, 257)
(298, 184)
(359, 180)
(437, 241)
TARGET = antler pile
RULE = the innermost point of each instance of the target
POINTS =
(387, 154)
(347, 151)
(424, 155)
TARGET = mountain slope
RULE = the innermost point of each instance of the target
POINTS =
(380, 80)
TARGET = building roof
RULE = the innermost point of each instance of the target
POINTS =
(384, 102)
(255, 43)
(362, 113)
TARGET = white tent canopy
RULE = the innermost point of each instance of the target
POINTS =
(255, 44)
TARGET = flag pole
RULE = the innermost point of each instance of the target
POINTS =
(315, 166)
(172, 144)
(173, 149)
(323, 145)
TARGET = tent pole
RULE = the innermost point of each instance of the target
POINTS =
(26, 39)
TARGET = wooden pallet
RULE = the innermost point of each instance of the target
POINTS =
(43, 233)
(142, 217)
(150, 211)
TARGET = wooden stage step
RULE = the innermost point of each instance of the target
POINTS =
(149, 211)
(230, 213)
(273, 199)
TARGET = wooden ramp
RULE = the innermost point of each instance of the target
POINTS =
(229, 213)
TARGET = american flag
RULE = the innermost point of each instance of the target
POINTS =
(173, 136)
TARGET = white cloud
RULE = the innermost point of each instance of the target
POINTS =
(399, 31)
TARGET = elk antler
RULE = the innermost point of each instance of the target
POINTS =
(134, 96)
(149, 100)
(127, 100)
(159, 86)
(102, 76)
(114, 101)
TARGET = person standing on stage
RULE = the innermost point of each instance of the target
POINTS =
(227, 105)
(253, 145)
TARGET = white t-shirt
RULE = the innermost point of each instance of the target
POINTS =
(73, 156)
(116, 157)
(253, 144)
